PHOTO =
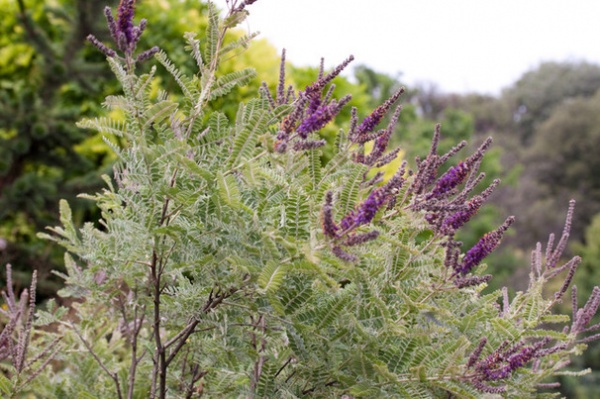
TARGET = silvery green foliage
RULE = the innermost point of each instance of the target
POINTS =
(231, 262)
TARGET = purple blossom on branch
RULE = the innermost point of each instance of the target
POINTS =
(583, 316)
(124, 33)
(450, 180)
(125, 15)
(304, 145)
(459, 218)
(501, 363)
(365, 212)
(483, 248)
(371, 121)
(311, 112)
(357, 239)
(329, 227)
(321, 116)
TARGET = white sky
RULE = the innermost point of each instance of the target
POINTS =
(461, 45)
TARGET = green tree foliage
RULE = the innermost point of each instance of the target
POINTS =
(535, 95)
(230, 261)
(562, 163)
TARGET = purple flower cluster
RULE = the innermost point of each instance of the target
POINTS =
(503, 361)
(124, 33)
(357, 239)
(483, 248)
(365, 212)
(124, 30)
(318, 116)
(371, 121)
(459, 218)
(311, 110)
(455, 176)
(363, 133)
(330, 228)
(345, 234)
(583, 316)
(448, 208)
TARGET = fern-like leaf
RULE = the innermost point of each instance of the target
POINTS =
(297, 215)
(158, 112)
(243, 42)
(255, 121)
(314, 166)
(349, 194)
(228, 189)
(182, 80)
(226, 83)
(194, 44)
(272, 276)
(104, 125)
(212, 35)
(330, 312)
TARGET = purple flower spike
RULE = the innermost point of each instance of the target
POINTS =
(125, 21)
(112, 24)
(124, 33)
(500, 365)
(315, 121)
(371, 121)
(343, 255)
(452, 178)
(483, 248)
(366, 211)
(357, 239)
(324, 80)
(458, 219)
(306, 145)
(329, 227)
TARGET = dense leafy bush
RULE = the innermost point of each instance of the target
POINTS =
(231, 260)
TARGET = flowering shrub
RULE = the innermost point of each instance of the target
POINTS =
(231, 261)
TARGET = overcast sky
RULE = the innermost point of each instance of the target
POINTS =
(461, 45)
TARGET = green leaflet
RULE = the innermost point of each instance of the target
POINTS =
(226, 83)
(295, 294)
(266, 383)
(326, 315)
(398, 353)
(296, 214)
(462, 391)
(254, 121)
(143, 84)
(272, 276)
(104, 125)
(364, 390)
(194, 44)
(218, 126)
(158, 112)
(212, 35)
(228, 189)
(181, 79)
(125, 79)
(243, 42)
(5, 385)
(349, 194)
(314, 167)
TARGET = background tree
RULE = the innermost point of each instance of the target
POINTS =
(534, 96)
(46, 72)
(561, 163)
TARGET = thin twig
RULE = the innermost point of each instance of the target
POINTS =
(112, 375)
